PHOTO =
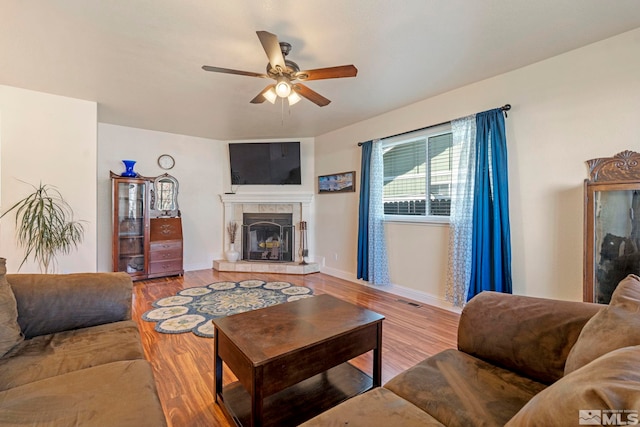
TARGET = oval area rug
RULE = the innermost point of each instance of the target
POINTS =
(192, 309)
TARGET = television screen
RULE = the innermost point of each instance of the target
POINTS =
(263, 163)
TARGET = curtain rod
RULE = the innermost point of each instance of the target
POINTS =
(504, 108)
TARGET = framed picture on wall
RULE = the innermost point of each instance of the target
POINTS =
(344, 182)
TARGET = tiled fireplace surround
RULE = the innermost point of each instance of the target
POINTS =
(296, 204)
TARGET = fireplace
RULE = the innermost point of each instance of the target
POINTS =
(269, 207)
(268, 237)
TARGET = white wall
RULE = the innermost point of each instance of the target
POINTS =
(49, 139)
(200, 170)
(566, 110)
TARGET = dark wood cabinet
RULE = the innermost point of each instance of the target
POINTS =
(165, 247)
(143, 246)
(612, 224)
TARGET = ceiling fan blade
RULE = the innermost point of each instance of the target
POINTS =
(328, 73)
(311, 95)
(259, 99)
(230, 71)
(271, 47)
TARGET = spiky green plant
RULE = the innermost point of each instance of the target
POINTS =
(45, 226)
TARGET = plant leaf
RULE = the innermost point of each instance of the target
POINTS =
(45, 226)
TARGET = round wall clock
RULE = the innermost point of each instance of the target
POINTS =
(166, 162)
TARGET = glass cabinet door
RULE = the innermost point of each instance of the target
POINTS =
(616, 239)
(131, 226)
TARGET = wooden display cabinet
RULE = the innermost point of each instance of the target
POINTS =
(612, 224)
(130, 225)
(146, 242)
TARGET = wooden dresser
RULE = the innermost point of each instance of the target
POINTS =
(165, 247)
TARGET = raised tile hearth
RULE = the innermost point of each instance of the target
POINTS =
(266, 267)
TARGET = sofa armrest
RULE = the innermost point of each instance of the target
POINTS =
(49, 303)
(531, 336)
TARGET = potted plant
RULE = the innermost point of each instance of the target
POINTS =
(45, 226)
(232, 255)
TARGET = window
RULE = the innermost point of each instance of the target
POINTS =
(418, 174)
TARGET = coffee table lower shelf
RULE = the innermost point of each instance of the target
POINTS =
(300, 402)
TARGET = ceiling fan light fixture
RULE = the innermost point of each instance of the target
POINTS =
(294, 98)
(285, 73)
(270, 95)
(283, 87)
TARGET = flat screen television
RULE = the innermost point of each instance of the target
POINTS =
(265, 163)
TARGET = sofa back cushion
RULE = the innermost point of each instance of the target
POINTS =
(49, 303)
(528, 335)
(603, 392)
(615, 326)
(10, 333)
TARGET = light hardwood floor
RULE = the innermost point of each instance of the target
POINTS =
(183, 363)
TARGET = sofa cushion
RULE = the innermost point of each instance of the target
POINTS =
(606, 387)
(460, 390)
(528, 335)
(614, 326)
(10, 333)
(376, 408)
(50, 303)
(119, 394)
(56, 354)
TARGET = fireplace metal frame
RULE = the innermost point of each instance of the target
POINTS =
(269, 251)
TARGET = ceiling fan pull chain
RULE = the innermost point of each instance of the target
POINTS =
(282, 112)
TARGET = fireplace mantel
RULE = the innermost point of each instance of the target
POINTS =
(298, 204)
(303, 198)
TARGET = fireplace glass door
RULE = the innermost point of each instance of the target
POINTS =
(267, 239)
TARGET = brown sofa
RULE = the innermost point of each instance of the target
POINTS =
(79, 361)
(521, 361)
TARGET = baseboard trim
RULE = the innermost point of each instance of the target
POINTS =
(394, 289)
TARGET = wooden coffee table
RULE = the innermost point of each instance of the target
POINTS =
(291, 359)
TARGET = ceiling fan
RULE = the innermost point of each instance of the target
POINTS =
(286, 73)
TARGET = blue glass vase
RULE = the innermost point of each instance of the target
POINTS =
(128, 166)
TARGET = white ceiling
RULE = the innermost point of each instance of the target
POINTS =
(141, 59)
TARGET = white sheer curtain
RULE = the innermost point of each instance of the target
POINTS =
(378, 262)
(461, 217)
